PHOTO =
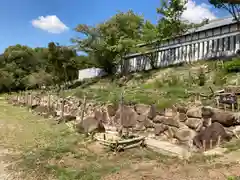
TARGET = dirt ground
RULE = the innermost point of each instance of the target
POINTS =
(32, 148)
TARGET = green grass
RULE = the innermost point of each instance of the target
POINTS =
(162, 87)
(47, 151)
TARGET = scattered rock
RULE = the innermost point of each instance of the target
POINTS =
(142, 109)
(207, 112)
(171, 122)
(159, 119)
(211, 133)
(216, 151)
(140, 127)
(148, 123)
(194, 123)
(182, 109)
(141, 118)
(129, 117)
(185, 135)
(159, 129)
(195, 112)
(111, 110)
(225, 118)
(152, 112)
(171, 131)
(182, 117)
(89, 125)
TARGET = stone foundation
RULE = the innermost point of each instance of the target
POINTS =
(181, 124)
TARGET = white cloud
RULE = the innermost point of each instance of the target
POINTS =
(195, 13)
(51, 23)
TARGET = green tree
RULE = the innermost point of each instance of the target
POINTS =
(231, 7)
(108, 43)
(170, 24)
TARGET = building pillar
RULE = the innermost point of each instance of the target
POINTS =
(196, 51)
(220, 46)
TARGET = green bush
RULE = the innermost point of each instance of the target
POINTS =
(201, 77)
(232, 66)
(219, 78)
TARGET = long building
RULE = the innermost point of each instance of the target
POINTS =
(217, 38)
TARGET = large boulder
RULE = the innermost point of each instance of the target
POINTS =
(141, 118)
(171, 131)
(171, 121)
(142, 109)
(90, 125)
(184, 135)
(128, 118)
(111, 110)
(159, 129)
(195, 112)
(210, 135)
(194, 123)
(225, 118)
(148, 123)
(152, 112)
(159, 119)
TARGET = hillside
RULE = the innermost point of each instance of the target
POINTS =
(162, 87)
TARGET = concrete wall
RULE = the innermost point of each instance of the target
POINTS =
(211, 43)
(90, 73)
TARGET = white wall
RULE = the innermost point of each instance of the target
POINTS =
(90, 73)
(222, 41)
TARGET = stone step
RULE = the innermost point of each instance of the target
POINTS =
(167, 148)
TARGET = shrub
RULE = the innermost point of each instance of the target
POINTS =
(219, 78)
(201, 77)
(232, 66)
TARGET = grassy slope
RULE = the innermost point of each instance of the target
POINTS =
(162, 87)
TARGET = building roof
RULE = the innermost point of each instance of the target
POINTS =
(210, 25)
(213, 24)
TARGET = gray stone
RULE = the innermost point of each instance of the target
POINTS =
(210, 135)
(142, 109)
(111, 110)
(182, 117)
(159, 119)
(171, 122)
(159, 129)
(194, 123)
(141, 118)
(89, 125)
(195, 112)
(152, 112)
(148, 123)
(185, 135)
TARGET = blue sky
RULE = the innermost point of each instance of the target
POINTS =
(18, 25)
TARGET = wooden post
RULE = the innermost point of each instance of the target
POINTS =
(219, 141)
(30, 101)
(26, 99)
(204, 145)
(211, 144)
(49, 102)
(225, 108)
(83, 109)
(62, 108)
